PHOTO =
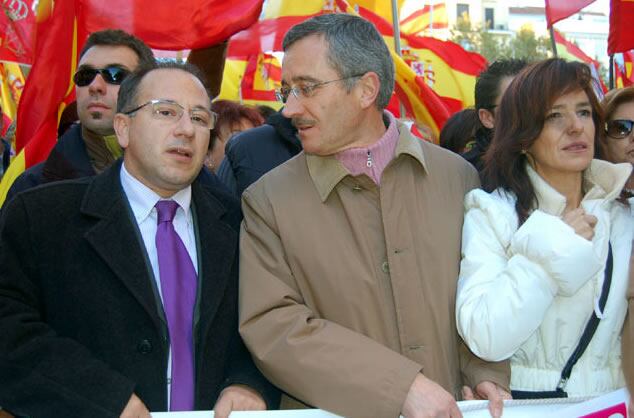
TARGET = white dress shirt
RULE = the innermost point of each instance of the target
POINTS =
(142, 201)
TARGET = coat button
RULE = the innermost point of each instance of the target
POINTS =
(385, 267)
(144, 347)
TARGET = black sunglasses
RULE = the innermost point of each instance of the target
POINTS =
(619, 128)
(111, 75)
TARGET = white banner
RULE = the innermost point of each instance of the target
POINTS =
(612, 405)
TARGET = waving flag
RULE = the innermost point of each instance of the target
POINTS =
(624, 71)
(571, 52)
(11, 85)
(557, 10)
(419, 20)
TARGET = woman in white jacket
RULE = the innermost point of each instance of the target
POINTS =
(536, 249)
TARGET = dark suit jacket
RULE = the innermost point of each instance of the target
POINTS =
(81, 324)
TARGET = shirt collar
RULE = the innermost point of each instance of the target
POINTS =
(143, 199)
(327, 171)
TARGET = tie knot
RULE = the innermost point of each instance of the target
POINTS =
(166, 210)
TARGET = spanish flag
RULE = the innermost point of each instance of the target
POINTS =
(571, 52)
(624, 69)
(11, 85)
(417, 21)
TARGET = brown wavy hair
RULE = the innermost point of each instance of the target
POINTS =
(520, 119)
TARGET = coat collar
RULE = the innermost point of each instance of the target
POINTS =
(602, 181)
(115, 237)
(326, 172)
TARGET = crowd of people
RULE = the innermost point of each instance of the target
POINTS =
(367, 272)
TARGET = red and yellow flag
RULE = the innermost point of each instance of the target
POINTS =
(11, 85)
(571, 52)
(624, 69)
(419, 20)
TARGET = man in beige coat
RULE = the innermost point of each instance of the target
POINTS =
(350, 251)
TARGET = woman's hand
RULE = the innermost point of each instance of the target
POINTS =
(582, 223)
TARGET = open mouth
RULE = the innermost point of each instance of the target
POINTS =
(576, 147)
(180, 152)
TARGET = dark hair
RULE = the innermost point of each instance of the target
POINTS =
(230, 113)
(459, 129)
(129, 89)
(487, 87)
(521, 117)
(354, 47)
(117, 37)
(266, 111)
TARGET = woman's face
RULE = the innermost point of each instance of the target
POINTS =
(565, 146)
(621, 150)
(225, 131)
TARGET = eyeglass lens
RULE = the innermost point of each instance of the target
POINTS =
(111, 75)
(619, 128)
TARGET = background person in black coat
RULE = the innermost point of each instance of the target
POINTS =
(81, 317)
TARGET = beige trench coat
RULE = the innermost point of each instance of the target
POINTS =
(348, 290)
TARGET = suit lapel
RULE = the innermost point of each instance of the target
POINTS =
(217, 251)
(116, 239)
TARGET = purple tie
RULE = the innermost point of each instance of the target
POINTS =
(178, 285)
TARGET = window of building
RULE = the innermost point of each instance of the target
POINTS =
(462, 11)
(489, 18)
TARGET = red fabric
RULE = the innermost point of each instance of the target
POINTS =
(17, 25)
(621, 36)
(168, 24)
(6, 122)
(263, 36)
(450, 52)
(42, 94)
(557, 10)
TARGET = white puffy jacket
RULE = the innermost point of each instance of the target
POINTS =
(528, 293)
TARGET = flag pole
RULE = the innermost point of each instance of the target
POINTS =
(552, 40)
(611, 81)
(397, 43)
(431, 17)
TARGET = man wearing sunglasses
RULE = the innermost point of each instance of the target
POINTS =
(118, 293)
(89, 147)
(350, 251)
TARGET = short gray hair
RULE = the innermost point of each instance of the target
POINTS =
(354, 47)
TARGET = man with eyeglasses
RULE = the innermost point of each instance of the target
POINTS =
(350, 251)
(118, 292)
(88, 148)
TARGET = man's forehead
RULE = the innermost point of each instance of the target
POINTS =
(100, 56)
(306, 60)
(174, 84)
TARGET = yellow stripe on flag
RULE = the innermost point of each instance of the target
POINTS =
(17, 167)
(279, 8)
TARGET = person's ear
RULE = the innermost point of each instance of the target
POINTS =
(487, 118)
(121, 125)
(369, 86)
